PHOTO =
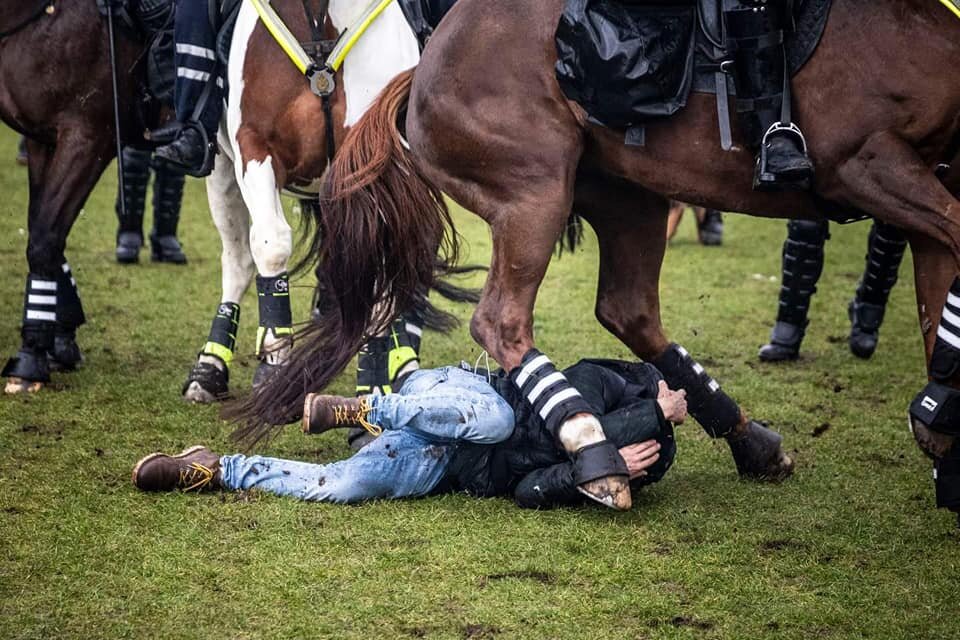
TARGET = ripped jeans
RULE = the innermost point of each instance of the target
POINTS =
(422, 424)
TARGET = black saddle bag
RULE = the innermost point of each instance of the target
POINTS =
(626, 64)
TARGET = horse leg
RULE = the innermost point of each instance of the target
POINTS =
(674, 217)
(628, 305)
(888, 178)
(61, 178)
(271, 243)
(209, 379)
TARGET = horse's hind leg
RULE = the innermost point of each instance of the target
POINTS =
(61, 178)
(209, 379)
(628, 305)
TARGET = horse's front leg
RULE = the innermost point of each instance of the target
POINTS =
(503, 324)
(632, 245)
(271, 243)
(209, 379)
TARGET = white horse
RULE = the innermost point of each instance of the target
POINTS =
(273, 138)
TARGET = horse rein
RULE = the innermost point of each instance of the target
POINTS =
(46, 7)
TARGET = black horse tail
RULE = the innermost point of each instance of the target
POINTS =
(383, 237)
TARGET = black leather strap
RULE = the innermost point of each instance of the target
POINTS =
(598, 460)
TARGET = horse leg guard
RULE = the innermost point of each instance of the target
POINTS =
(30, 369)
(66, 355)
(756, 449)
(568, 416)
(209, 380)
(275, 333)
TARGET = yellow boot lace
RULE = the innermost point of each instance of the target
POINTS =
(195, 477)
(343, 415)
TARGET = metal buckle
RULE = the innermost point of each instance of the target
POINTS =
(322, 81)
(791, 129)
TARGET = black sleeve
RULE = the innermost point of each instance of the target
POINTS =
(602, 388)
(548, 487)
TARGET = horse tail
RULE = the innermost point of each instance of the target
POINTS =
(383, 236)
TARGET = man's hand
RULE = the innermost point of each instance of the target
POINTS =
(672, 403)
(640, 456)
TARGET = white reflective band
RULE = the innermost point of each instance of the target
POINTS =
(414, 329)
(557, 399)
(33, 298)
(193, 50)
(193, 74)
(220, 82)
(65, 267)
(683, 351)
(43, 285)
(531, 366)
(713, 385)
(948, 337)
(33, 314)
(953, 301)
(950, 317)
(698, 368)
(553, 378)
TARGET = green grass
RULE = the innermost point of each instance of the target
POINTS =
(850, 547)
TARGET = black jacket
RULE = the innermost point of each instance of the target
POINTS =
(531, 465)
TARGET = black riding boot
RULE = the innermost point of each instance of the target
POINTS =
(755, 35)
(167, 197)
(802, 265)
(136, 175)
(710, 230)
(384, 362)
(885, 248)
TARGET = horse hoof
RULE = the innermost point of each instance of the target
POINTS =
(206, 384)
(757, 453)
(934, 444)
(17, 386)
(66, 355)
(612, 492)
(263, 373)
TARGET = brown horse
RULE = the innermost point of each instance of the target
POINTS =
(55, 88)
(487, 124)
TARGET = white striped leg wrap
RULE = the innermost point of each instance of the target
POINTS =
(547, 390)
(945, 361)
(40, 303)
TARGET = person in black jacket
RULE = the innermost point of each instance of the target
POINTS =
(450, 430)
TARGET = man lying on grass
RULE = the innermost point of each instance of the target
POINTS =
(449, 430)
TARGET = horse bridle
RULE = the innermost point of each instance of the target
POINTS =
(319, 49)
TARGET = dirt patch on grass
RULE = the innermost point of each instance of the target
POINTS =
(542, 577)
(480, 631)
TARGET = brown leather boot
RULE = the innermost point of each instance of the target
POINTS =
(322, 413)
(192, 469)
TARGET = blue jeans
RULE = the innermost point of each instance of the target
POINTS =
(434, 410)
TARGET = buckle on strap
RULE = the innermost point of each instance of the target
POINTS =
(789, 129)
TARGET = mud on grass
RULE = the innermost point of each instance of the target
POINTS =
(850, 547)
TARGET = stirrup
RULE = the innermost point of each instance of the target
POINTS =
(763, 179)
(205, 168)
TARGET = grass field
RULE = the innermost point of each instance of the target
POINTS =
(850, 547)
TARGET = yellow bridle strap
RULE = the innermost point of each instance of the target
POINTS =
(952, 5)
(280, 32)
(354, 33)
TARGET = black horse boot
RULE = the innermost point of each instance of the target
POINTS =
(136, 175)
(383, 363)
(802, 266)
(755, 36)
(710, 229)
(167, 198)
(885, 247)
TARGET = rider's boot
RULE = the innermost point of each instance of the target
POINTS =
(383, 363)
(710, 229)
(136, 175)
(755, 35)
(189, 144)
(802, 265)
(167, 197)
(885, 248)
